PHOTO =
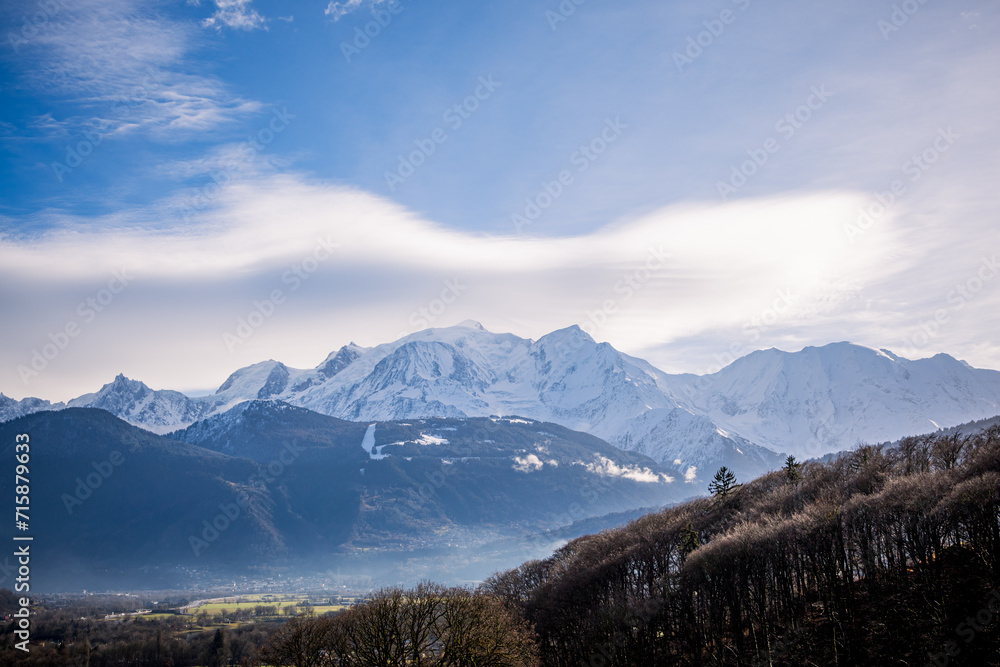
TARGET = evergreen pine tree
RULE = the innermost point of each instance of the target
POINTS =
(792, 472)
(723, 483)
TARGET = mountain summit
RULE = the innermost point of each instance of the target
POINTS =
(746, 416)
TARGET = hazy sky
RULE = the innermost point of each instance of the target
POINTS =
(685, 180)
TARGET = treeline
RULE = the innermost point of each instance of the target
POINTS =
(886, 556)
(429, 626)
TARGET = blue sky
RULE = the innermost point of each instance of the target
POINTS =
(558, 153)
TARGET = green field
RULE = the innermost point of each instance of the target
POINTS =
(249, 602)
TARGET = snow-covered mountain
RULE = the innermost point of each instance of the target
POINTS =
(829, 398)
(745, 416)
(133, 401)
(12, 409)
(564, 377)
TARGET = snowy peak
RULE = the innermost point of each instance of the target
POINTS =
(825, 399)
(569, 338)
(339, 360)
(133, 401)
(275, 383)
(422, 362)
(12, 409)
(566, 352)
(248, 380)
(119, 391)
(469, 334)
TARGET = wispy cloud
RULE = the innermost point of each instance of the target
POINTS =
(47, 125)
(723, 261)
(127, 69)
(336, 10)
(220, 158)
(235, 14)
(707, 244)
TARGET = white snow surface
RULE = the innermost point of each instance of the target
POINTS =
(368, 444)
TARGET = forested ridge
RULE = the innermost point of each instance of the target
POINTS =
(885, 556)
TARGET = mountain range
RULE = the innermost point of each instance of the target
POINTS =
(746, 416)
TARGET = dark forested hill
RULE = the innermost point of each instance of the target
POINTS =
(267, 484)
(886, 556)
